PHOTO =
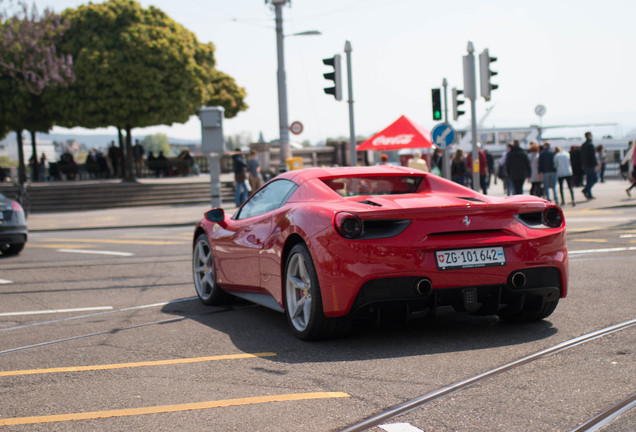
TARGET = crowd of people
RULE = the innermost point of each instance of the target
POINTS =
(547, 170)
(108, 164)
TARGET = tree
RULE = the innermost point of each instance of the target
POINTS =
(137, 67)
(29, 64)
(27, 49)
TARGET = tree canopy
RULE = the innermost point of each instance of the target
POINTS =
(28, 53)
(137, 67)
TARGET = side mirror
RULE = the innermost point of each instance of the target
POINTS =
(215, 215)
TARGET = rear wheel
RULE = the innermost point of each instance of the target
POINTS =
(303, 300)
(530, 312)
(204, 273)
(11, 249)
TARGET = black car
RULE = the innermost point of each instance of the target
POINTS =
(13, 227)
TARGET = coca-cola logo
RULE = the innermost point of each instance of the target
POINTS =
(393, 140)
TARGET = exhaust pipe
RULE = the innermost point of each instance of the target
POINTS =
(518, 280)
(424, 287)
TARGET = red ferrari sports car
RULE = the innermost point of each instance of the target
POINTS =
(325, 244)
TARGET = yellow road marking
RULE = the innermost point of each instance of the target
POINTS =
(590, 240)
(132, 365)
(170, 408)
(55, 245)
(112, 241)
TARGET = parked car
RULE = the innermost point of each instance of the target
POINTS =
(13, 227)
(324, 245)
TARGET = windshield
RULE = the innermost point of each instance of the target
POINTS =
(374, 185)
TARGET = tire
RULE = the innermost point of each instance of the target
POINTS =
(530, 313)
(204, 273)
(12, 249)
(303, 300)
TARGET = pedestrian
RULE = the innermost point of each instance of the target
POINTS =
(384, 159)
(483, 168)
(42, 167)
(626, 164)
(437, 161)
(589, 165)
(536, 187)
(547, 171)
(601, 157)
(254, 171)
(240, 179)
(458, 168)
(501, 171)
(577, 167)
(114, 154)
(564, 172)
(416, 162)
(138, 153)
(517, 167)
(490, 160)
(630, 161)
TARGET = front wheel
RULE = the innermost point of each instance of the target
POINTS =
(204, 273)
(303, 300)
(12, 249)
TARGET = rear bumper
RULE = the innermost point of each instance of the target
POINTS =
(13, 235)
(540, 283)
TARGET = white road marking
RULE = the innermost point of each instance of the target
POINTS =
(602, 250)
(4, 281)
(52, 311)
(98, 252)
(400, 427)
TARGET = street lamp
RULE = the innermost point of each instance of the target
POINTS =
(283, 122)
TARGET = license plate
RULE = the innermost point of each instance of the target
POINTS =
(469, 258)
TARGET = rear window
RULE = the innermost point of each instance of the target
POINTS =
(374, 185)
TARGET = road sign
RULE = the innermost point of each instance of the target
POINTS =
(296, 128)
(443, 135)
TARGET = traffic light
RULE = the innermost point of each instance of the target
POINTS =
(437, 104)
(334, 76)
(485, 74)
(457, 103)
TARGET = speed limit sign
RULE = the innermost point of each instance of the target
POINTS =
(296, 128)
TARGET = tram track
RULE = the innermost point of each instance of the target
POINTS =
(435, 395)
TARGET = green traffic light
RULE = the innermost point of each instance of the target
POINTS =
(437, 115)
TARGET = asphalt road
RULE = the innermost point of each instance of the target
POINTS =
(99, 330)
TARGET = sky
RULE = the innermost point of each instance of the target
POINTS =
(575, 57)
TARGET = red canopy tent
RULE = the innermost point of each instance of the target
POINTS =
(401, 134)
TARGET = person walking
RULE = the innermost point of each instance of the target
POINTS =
(547, 171)
(564, 172)
(483, 168)
(254, 171)
(589, 164)
(601, 156)
(240, 179)
(630, 161)
(517, 167)
(533, 155)
(458, 168)
(417, 162)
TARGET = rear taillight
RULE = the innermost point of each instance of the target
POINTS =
(16, 206)
(553, 217)
(347, 225)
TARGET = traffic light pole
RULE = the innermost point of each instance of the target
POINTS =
(446, 150)
(352, 129)
(470, 91)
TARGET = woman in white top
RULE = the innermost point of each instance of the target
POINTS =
(564, 172)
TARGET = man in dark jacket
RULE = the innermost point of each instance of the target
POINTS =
(517, 167)
(589, 163)
(547, 171)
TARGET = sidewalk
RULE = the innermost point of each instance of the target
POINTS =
(610, 194)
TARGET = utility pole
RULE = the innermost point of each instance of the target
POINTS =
(445, 164)
(352, 129)
(470, 91)
(283, 122)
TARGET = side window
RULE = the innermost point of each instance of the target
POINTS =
(269, 198)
